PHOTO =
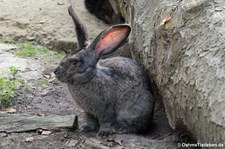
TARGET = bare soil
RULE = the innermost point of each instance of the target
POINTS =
(44, 21)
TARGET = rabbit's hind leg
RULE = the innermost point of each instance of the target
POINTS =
(122, 127)
(131, 126)
(91, 123)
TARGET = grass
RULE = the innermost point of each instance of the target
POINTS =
(42, 82)
(34, 50)
(9, 86)
(168, 26)
(28, 50)
(10, 83)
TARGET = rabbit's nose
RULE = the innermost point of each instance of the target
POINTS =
(55, 71)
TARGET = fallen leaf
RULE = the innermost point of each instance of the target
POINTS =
(95, 140)
(41, 137)
(10, 110)
(112, 143)
(95, 143)
(47, 76)
(46, 132)
(165, 20)
(72, 143)
(116, 141)
(51, 79)
(44, 93)
(117, 146)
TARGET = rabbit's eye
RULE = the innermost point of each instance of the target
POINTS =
(75, 62)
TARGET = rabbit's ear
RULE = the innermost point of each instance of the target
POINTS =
(111, 39)
(82, 36)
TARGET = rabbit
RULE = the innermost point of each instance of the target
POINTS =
(113, 92)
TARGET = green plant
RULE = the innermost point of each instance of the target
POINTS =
(43, 50)
(168, 26)
(28, 50)
(28, 89)
(14, 70)
(33, 49)
(42, 82)
(8, 87)
(52, 56)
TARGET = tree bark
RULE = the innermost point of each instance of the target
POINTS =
(182, 46)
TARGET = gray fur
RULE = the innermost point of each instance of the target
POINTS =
(113, 92)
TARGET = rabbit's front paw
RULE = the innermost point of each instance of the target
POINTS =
(103, 133)
(87, 128)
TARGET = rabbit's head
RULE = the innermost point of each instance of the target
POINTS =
(80, 66)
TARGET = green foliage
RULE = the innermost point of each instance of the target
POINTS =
(28, 50)
(52, 56)
(8, 87)
(42, 82)
(168, 26)
(28, 89)
(33, 49)
(14, 71)
(122, 8)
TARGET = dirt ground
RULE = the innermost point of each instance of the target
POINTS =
(44, 21)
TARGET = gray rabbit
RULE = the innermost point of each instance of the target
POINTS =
(113, 92)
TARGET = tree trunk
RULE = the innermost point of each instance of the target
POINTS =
(182, 46)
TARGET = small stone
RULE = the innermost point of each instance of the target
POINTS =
(3, 134)
(42, 22)
(67, 136)
(60, 3)
(30, 38)
(29, 139)
(39, 131)
(218, 9)
(52, 74)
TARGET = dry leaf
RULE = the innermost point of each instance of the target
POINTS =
(95, 143)
(72, 143)
(117, 146)
(44, 93)
(10, 110)
(46, 132)
(114, 144)
(165, 20)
